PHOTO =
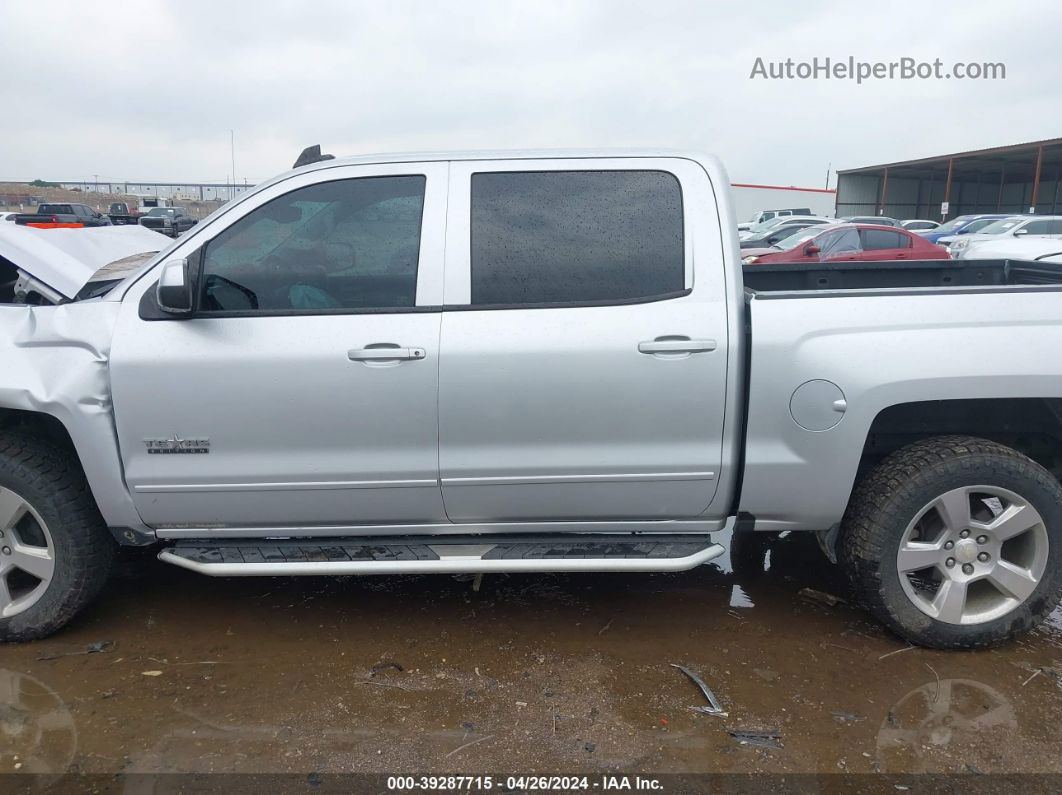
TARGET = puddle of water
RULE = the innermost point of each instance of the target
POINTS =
(558, 672)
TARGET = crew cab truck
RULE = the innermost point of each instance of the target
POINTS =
(533, 362)
(171, 221)
(66, 214)
(121, 214)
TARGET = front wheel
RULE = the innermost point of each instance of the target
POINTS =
(956, 542)
(55, 551)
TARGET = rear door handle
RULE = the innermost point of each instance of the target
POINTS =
(383, 354)
(677, 346)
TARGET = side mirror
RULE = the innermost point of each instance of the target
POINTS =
(811, 249)
(1020, 232)
(174, 291)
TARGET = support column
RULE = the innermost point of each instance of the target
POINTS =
(947, 187)
(884, 192)
(929, 194)
(1036, 178)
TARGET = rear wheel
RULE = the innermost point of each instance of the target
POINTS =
(956, 542)
(55, 552)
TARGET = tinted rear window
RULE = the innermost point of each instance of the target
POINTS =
(877, 239)
(575, 236)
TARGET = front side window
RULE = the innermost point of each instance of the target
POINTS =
(575, 236)
(977, 226)
(843, 242)
(347, 244)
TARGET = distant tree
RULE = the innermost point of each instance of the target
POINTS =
(40, 183)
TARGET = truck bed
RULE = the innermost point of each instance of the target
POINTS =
(881, 334)
(899, 274)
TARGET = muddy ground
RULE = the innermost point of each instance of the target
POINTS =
(559, 673)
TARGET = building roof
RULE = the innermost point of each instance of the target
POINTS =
(1017, 159)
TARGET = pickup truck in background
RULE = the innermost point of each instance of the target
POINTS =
(170, 221)
(529, 362)
(52, 215)
(121, 214)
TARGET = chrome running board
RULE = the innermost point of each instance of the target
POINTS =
(450, 555)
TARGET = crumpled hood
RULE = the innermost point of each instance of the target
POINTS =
(66, 259)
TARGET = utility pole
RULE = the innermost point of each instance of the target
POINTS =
(829, 166)
(232, 156)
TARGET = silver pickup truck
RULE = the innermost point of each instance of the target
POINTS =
(531, 362)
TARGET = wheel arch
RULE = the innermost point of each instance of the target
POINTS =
(41, 425)
(114, 504)
(1032, 426)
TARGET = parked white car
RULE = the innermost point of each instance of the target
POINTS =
(1016, 226)
(1035, 249)
(763, 227)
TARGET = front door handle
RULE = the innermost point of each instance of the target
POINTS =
(384, 353)
(677, 346)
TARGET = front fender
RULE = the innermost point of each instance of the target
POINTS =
(54, 361)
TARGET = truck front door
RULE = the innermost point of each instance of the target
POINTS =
(301, 392)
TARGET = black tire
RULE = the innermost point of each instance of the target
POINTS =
(52, 482)
(889, 497)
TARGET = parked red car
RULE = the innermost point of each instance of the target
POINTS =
(845, 243)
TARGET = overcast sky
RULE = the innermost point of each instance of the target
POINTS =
(150, 90)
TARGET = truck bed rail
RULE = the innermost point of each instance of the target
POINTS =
(900, 274)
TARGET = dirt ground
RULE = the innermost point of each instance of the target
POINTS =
(559, 673)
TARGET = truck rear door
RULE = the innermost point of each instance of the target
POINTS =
(584, 341)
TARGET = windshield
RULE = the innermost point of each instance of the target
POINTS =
(786, 234)
(764, 226)
(953, 224)
(156, 211)
(1000, 226)
(795, 240)
(112, 273)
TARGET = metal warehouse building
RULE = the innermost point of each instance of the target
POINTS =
(1023, 178)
